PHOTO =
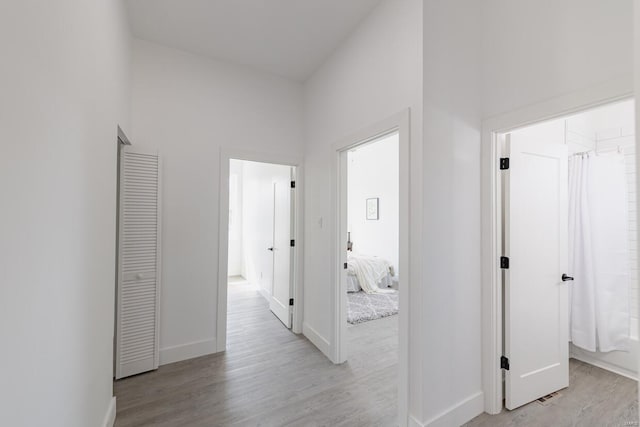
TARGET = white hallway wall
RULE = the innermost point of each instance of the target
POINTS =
(188, 107)
(375, 74)
(537, 50)
(64, 81)
(451, 354)
(373, 172)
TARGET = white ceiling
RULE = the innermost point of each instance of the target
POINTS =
(290, 38)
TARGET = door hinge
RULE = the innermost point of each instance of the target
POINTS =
(290, 301)
(504, 163)
(504, 262)
(293, 184)
(293, 243)
(345, 265)
(504, 363)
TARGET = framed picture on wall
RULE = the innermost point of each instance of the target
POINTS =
(372, 209)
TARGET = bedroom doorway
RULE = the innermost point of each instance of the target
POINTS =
(373, 235)
(372, 254)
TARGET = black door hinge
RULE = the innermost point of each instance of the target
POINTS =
(293, 184)
(345, 265)
(504, 262)
(293, 243)
(290, 301)
(504, 363)
(504, 163)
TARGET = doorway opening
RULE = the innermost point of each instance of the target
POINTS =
(566, 282)
(262, 234)
(260, 238)
(372, 274)
(372, 253)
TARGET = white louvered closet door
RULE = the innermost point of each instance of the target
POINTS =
(138, 263)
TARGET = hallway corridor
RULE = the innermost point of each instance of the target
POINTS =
(269, 377)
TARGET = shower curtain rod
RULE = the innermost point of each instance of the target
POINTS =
(596, 151)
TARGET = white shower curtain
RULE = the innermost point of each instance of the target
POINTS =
(598, 252)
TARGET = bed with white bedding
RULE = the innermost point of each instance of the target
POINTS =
(375, 272)
(353, 285)
(369, 293)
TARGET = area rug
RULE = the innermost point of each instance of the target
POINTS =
(363, 307)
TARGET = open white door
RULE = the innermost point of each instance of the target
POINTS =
(282, 248)
(138, 287)
(536, 298)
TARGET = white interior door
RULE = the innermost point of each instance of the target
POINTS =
(282, 249)
(138, 284)
(536, 298)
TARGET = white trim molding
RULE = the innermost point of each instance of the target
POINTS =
(110, 416)
(316, 339)
(265, 294)
(456, 415)
(618, 362)
(178, 353)
(609, 92)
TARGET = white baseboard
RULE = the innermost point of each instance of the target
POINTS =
(618, 362)
(456, 415)
(317, 339)
(413, 422)
(110, 416)
(265, 294)
(187, 351)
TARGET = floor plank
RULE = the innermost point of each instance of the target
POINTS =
(595, 398)
(269, 377)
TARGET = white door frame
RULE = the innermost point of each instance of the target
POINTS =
(398, 123)
(616, 90)
(226, 154)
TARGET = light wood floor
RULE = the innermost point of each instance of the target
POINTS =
(269, 377)
(595, 398)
